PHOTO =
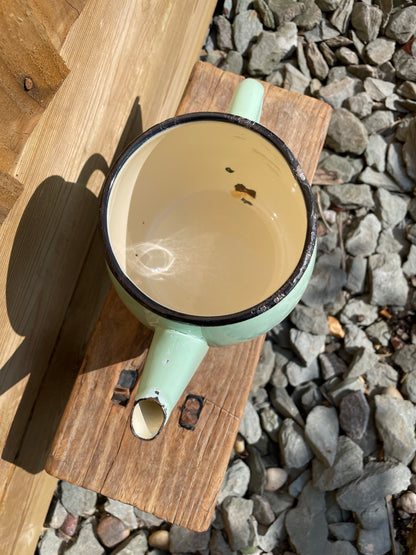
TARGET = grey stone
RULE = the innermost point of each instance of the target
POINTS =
(341, 16)
(366, 21)
(274, 534)
(301, 58)
(409, 267)
(347, 56)
(306, 524)
(265, 55)
(407, 89)
(412, 209)
(147, 519)
(380, 50)
(279, 501)
(343, 165)
(336, 391)
(262, 510)
(405, 358)
(346, 133)
(49, 543)
(362, 236)
(341, 547)
(270, 422)
(287, 38)
(328, 5)
(265, 366)
(378, 480)
(285, 10)
(294, 449)
(238, 522)
(359, 104)
(354, 414)
(241, 5)
(373, 516)
(348, 466)
(297, 374)
(236, 480)
(388, 286)
(284, 404)
(277, 77)
(346, 531)
(408, 387)
(182, 540)
(246, 28)
(390, 208)
(215, 57)
(265, 13)
(307, 346)
(378, 121)
(331, 365)
(395, 421)
(321, 32)
(375, 154)
(299, 483)
(310, 319)
(78, 501)
(381, 376)
(392, 240)
(224, 33)
(316, 62)
(88, 541)
(378, 179)
(57, 516)
(402, 24)
(411, 234)
(218, 545)
(409, 150)
(363, 70)
(328, 54)
(356, 274)
(309, 394)
(359, 312)
(355, 338)
(405, 65)
(379, 333)
(258, 475)
(326, 282)
(378, 89)
(134, 545)
(310, 17)
(321, 432)
(122, 511)
(337, 73)
(373, 541)
(233, 62)
(337, 92)
(295, 80)
(250, 427)
(363, 361)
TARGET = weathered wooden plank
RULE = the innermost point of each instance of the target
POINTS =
(57, 17)
(31, 71)
(10, 190)
(114, 60)
(176, 476)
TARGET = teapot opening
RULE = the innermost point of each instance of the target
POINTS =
(147, 419)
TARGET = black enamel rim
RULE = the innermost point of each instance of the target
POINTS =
(224, 319)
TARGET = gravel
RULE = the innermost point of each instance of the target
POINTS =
(326, 448)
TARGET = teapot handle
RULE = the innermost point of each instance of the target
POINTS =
(247, 100)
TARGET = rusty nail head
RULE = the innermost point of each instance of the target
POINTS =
(191, 411)
(28, 83)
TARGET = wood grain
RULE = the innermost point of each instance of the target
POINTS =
(10, 190)
(178, 475)
(26, 53)
(52, 280)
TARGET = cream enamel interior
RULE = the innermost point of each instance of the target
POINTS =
(147, 418)
(187, 235)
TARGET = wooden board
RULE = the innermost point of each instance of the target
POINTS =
(178, 475)
(52, 281)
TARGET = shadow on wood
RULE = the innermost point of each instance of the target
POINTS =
(44, 399)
